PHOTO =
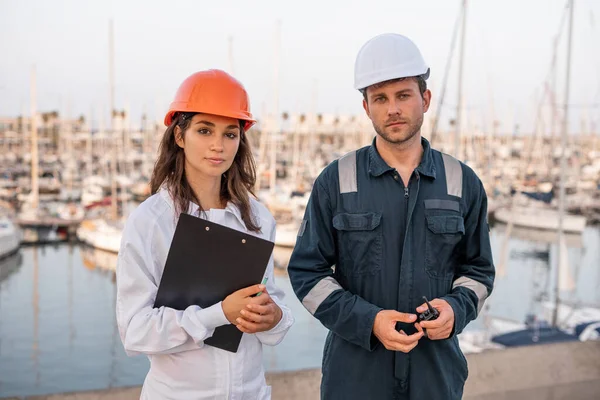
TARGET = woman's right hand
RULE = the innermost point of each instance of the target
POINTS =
(237, 301)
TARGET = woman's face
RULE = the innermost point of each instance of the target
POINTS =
(210, 144)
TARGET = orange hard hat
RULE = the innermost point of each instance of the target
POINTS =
(212, 92)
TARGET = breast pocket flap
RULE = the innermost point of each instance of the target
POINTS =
(356, 222)
(441, 224)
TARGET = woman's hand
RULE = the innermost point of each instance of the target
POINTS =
(237, 301)
(260, 315)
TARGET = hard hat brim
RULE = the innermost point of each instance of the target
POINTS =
(249, 121)
(365, 81)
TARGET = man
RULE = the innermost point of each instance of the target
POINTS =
(386, 225)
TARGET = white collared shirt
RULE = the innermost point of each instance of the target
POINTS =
(181, 366)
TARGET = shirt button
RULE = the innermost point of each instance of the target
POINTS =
(395, 177)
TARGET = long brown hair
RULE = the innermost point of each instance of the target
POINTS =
(236, 184)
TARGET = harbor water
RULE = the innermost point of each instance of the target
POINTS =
(58, 331)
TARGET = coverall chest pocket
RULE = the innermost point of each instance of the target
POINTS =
(359, 241)
(443, 233)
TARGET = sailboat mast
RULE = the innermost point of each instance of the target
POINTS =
(68, 132)
(459, 103)
(89, 145)
(112, 130)
(275, 126)
(111, 73)
(438, 109)
(563, 161)
(35, 184)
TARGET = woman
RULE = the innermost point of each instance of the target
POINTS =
(205, 168)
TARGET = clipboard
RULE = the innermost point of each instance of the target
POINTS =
(206, 263)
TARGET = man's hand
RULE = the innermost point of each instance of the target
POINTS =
(440, 328)
(260, 315)
(384, 328)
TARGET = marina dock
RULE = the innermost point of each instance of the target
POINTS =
(547, 372)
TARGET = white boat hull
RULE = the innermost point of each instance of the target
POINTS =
(10, 237)
(100, 235)
(543, 219)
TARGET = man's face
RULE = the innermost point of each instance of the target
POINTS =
(396, 109)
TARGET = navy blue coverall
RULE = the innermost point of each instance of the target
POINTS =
(369, 243)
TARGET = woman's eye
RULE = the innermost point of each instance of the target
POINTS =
(204, 132)
(231, 135)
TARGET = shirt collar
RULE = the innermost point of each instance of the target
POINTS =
(427, 166)
(378, 166)
(193, 207)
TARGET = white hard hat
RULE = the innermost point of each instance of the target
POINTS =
(388, 56)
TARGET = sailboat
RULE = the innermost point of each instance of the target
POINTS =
(544, 219)
(47, 223)
(283, 200)
(557, 322)
(101, 232)
(9, 265)
(549, 330)
(532, 207)
(9, 237)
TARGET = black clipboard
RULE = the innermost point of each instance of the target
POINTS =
(206, 263)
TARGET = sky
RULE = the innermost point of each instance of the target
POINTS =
(508, 53)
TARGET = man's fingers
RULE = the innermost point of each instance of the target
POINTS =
(438, 303)
(403, 317)
(400, 341)
(435, 303)
(404, 339)
(433, 324)
(405, 348)
(437, 334)
(409, 348)
(418, 327)
(433, 335)
(442, 320)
